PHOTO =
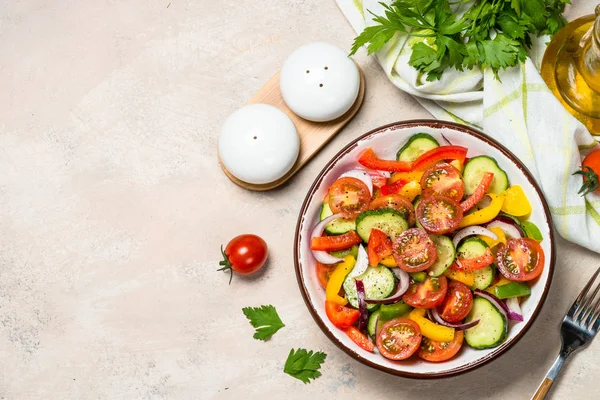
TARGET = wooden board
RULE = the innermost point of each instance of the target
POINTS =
(313, 135)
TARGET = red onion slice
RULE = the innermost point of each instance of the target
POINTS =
(472, 230)
(446, 139)
(514, 309)
(362, 306)
(322, 256)
(404, 282)
(437, 318)
(499, 304)
(362, 176)
(362, 263)
(509, 228)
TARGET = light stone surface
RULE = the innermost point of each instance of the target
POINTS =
(113, 208)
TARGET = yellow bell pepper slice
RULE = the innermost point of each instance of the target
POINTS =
(410, 190)
(491, 242)
(429, 329)
(515, 202)
(462, 276)
(336, 279)
(485, 214)
(406, 176)
(388, 261)
(458, 165)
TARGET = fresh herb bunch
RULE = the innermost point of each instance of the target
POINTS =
(490, 33)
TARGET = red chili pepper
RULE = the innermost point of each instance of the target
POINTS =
(370, 160)
(438, 154)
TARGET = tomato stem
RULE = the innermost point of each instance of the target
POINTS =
(590, 180)
(226, 265)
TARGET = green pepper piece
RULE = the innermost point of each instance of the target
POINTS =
(513, 289)
(388, 312)
(532, 231)
(418, 276)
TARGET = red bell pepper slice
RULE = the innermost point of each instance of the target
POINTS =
(393, 188)
(333, 243)
(484, 185)
(473, 264)
(438, 154)
(379, 247)
(360, 339)
(370, 160)
(340, 316)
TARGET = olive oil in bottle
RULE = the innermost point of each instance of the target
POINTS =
(571, 69)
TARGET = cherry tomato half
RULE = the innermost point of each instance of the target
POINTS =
(443, 179)
(244, 254)
(414, 250)
(349, 196)
(520, 259)
(427, 294)
(398, 203)
(457, 303)
(434, 351)
(439, 214)
(399, 339)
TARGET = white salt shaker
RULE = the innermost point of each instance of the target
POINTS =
(258, 144)
(319, 82)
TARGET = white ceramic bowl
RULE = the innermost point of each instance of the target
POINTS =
(386, 141)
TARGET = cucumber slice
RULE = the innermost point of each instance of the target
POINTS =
(417, 144)
(372, 324)
(337, 227)
(387, 220)
(325, 211)
(483, 277)
(474, 170)
(446, 253)
(491, 329)
(379, 283)
(472, 247)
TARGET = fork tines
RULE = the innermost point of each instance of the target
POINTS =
(585, 312)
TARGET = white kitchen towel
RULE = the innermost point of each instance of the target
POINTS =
(518, 110)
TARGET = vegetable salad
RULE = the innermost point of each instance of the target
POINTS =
(426, 253)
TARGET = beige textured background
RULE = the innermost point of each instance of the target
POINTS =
(113, 208)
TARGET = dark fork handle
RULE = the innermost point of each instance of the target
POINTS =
(544, 387)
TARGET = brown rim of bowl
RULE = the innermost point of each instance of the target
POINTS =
(437, 125)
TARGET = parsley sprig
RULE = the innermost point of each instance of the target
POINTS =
(265, 319)
(304, 365)
(490, 33)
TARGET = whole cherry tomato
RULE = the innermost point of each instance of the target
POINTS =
(244, 254)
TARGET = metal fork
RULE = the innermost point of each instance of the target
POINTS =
(578, 329)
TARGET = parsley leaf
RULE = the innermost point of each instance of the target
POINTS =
(304, 365)
(490, 33)
(265, 319)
